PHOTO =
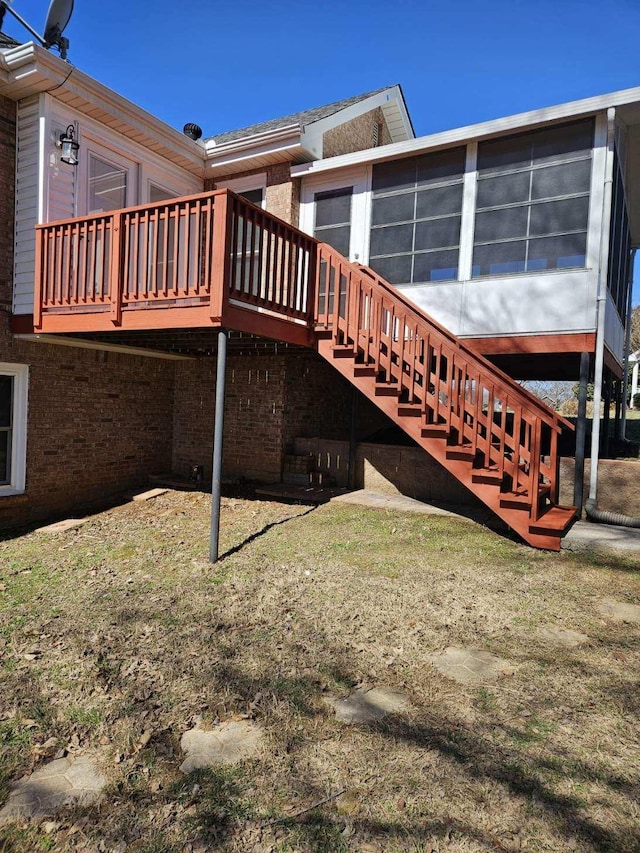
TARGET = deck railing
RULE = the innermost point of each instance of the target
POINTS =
(213, 248)
(512, 434)
(218, 251)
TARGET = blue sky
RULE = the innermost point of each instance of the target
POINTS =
(228, 64)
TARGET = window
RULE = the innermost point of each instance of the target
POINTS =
(416, 215)
(254, 196)
(13, 427)
(532, 205)
(619, 243)
(107, 186)
(333, 219)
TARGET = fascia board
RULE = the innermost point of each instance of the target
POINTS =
(521, 121)
(292, 150)
(399, 104)
(31, 62)
(290, 133)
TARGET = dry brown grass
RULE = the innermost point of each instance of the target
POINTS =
(131, 630)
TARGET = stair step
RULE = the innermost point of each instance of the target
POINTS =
(463, 453)
(488, 476)
(435, 431)
(521, 500)
(364, 370)
(410, 409)
(556, 520)
(343, 351)
(386, 389)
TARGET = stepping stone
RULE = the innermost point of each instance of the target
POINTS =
(63, 782)
(471, 665)
(563, 636)
(63, 526)
(366, 705)
(228, 743)
(620, 611)
(152, 493)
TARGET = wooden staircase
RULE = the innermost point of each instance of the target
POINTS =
(496, 438)
(215, 260)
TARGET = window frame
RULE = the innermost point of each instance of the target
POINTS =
(248, 183)
(360, 182)
(18, 430)
(418, 222)
(531, 203)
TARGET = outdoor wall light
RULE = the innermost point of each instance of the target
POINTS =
(69, 146)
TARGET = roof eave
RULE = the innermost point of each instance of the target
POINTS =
(30, 70)
(508, 124)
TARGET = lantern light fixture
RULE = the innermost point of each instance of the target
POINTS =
(69, 146)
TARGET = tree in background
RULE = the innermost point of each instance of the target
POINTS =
(635, 329)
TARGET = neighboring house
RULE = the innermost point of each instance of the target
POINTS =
(514, 235)
(634, 364)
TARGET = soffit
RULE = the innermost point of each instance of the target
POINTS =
(30, 70)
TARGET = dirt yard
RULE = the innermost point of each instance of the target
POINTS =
(118, 637)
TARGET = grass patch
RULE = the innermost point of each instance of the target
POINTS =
(115, 638)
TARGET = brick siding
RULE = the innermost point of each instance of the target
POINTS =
(356, 135)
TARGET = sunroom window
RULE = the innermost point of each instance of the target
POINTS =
(333, 218)
(532, 205)
(415, 220)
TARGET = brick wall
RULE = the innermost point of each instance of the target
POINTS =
(270, 400)
(356, 135)
(99, 423)
(282, 193)
(254, 404)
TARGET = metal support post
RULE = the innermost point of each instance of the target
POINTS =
(217, 446)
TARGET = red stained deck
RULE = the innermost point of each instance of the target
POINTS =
(216, 260)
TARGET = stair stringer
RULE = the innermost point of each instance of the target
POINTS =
(517, 519)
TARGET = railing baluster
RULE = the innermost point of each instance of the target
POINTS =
(115, 274)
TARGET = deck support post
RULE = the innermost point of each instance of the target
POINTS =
(216, 479)
(581, 433)
(606, 415)
(352, 438)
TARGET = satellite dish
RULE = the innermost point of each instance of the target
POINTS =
(57, 19)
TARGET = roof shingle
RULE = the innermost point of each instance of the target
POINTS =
(302, 118)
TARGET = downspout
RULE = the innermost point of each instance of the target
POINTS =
(591, 506)
(627, 351)
(603, 267)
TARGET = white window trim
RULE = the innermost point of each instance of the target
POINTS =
(20, 373)
(246, 184)
(360, 180)
(112, 158)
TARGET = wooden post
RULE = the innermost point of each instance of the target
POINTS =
(115, 269)
(40, 284)
(221, 256)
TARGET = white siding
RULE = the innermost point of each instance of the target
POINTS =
(61, 179)
(48, 190)
(27, 202)
(552, 303)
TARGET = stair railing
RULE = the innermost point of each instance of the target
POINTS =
(459, 394)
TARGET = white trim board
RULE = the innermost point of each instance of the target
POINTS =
(469, 133)
(20, 373)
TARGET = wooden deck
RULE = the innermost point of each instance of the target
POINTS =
(212, 259)
(216, 260)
